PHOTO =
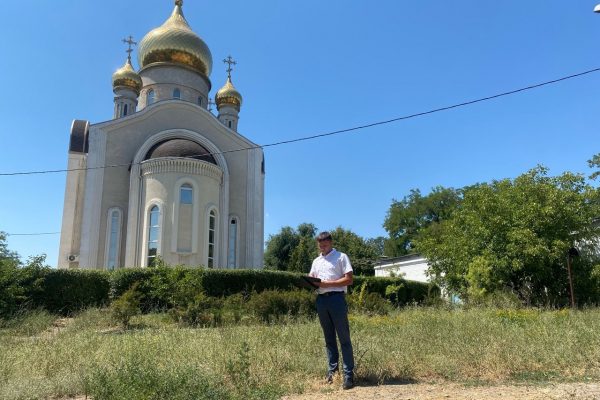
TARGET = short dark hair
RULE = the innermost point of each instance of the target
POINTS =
(324, 236)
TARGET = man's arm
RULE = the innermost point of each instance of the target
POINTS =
(345, 281)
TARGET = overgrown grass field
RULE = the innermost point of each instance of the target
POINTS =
(43, 357)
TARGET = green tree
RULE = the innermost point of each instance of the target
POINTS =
(594, 162)
(362, 255)
(279, 248)
(306, 250)
(405, 219)
(8, 258)
(514, 235)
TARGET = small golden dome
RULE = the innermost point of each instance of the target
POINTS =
(174, 41)
(127, 77)
(228, 95)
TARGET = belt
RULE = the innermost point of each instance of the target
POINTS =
(330, 293)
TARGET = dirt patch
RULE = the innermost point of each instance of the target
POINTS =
(452, 391)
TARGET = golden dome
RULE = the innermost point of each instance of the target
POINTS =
(228, 95)
(127, 77)
(174, 41)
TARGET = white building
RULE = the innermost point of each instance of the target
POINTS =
(165, 177)
(412, 267)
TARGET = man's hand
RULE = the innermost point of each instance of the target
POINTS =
(345, 281)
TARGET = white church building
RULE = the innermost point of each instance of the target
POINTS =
(165, 177)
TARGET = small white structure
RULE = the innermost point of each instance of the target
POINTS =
(412, 267)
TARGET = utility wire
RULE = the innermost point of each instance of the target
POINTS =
(32, 234)
(347, 130)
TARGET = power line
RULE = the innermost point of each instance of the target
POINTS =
(337, 132)
(32, 234)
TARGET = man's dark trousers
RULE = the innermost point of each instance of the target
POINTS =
(333, 315)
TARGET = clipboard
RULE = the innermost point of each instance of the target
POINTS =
(308, 282)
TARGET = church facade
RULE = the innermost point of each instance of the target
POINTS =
(166, 177)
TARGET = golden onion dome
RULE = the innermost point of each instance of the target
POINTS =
(126, 77)
(228, 95)
(174, 41)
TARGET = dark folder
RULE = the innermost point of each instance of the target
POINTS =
(308, 282)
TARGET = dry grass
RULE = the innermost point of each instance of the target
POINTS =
(158, 358)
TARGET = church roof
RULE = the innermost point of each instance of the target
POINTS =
(175, 42)
(181, 148)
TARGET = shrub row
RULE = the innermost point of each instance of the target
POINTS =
(162, 288)
(56, 290)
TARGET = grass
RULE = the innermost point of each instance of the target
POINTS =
(158, 359)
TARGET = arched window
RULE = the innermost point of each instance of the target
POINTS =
(185, 219)
(200, 101)
(150, 96)
(229, 123)
(212, 226)
(232, 253)
(153, 235)
(113, 238)
(124, 109)
(177, 93)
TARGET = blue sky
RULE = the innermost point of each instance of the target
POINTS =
(310, 67)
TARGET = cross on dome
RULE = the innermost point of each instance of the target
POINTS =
(129, 41)
(229, 61)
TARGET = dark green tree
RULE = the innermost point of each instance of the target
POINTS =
(405, 219)
(281, 246)
(362, 255)
(514, 235)
(594, 162)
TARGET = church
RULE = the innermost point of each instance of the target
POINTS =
(165, 178)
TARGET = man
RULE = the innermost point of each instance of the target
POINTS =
(335, 272)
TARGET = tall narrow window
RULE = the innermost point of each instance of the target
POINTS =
(153, 235)
(200, 101)
(185, 219)
(231, 257)
(212, 223)
(177, 93)
(150, 96)
(114, 237)
(125, 110)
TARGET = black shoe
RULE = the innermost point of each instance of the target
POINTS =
(329, 378)
(348, 383)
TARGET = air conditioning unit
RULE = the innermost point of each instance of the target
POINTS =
(73, 257)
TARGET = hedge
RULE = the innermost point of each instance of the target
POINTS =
(67, 291)
(56, 290)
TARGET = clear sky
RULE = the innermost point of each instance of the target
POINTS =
(309, 67)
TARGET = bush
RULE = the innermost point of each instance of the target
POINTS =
(68, 291)
(365, 302)
(402, 292)
(202, 311)
(126, 306)
(220, 283)
(55, 290)
(17, 287)
(160, 288)
(273, 305)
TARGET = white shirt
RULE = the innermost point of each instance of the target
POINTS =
(331, 267)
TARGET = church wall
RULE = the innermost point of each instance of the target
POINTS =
(125, 137)
(162, 189)
(163, 79)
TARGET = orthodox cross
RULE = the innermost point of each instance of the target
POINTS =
(229, 61)
(130, 42)
(211, 103)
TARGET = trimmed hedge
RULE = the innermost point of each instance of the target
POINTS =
(67, 291)
(56, 290)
